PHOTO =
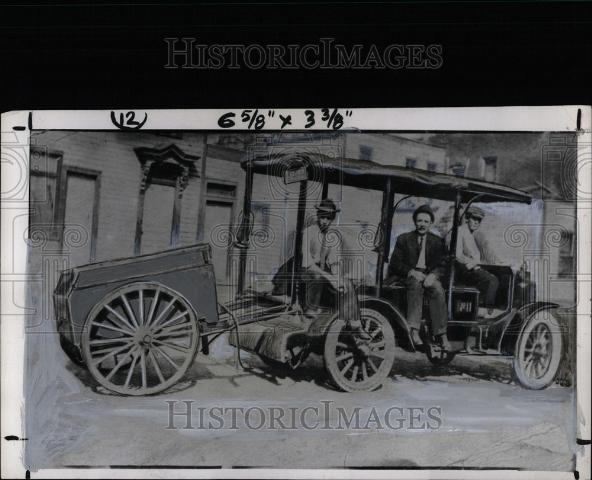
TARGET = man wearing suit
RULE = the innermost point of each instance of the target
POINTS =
(419, 259)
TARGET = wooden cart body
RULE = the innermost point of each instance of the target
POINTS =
(186, 270)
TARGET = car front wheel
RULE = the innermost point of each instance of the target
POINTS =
(538, 351)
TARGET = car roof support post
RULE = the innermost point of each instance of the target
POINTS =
(382, 242)
(452, 252)
(244, 232)
(297, 265)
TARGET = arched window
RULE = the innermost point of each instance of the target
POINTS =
(165, 175)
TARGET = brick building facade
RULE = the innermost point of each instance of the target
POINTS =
(103, 195)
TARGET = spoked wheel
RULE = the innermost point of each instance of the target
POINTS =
(355, 361)
(140, 339)
(538, 351)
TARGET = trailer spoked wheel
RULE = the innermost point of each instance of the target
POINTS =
(358, 362)
(538, 351)
(140, 339)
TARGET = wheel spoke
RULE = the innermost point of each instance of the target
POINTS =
(152, 307)
(344, 356)
(120, 363)
(113, 328)
(185, 326)
(364, 372)
(131, 371)
(113, 352)
(173, 346)
(120, 317)
(355, 374)
(531, 367)
(371, 363)
(528, 361)
(176, 335)
(537, 368)
(161, 314)
(129, 310)
(156, 366)
(143, 369)
(141, 305)
(348, 365)
(166, 356)
(109, 341)
(377, 344)
(171, 320)
(107, 349)
(378, 353)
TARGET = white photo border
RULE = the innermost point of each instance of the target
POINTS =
(16, 128)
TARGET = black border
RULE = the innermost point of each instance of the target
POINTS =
(91, 55)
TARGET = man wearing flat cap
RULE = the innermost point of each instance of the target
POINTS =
(320, 244)
(468, 258)
(419, 259)
(322, 270)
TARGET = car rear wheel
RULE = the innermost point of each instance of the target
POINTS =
(140, 339)
(358, 362)
(538, 351)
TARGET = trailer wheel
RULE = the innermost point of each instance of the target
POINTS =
(140, 339)
(538, 351)
(358, 364)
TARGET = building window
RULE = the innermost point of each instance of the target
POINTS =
(164, 176)
(365, 152)
(217, 189)
(458, 169)
(432, 166)
(218, 226)
(43, 193)
(490, 169)
(410, 163)
(567, 254)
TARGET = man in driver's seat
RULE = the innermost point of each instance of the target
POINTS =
(419, 260)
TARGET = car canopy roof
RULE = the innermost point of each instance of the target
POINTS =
(372, 175)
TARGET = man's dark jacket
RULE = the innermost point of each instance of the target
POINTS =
(406, 254)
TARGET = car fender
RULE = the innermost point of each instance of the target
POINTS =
(395, 317)
(517, 324)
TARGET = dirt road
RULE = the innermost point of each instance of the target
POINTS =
(485, 419)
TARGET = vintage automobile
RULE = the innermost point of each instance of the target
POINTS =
(137, 323)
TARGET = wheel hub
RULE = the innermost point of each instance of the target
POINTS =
(143, 337)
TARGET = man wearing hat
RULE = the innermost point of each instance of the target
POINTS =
(320, 245)
(321, 272)
(468, 258)
(419, 259)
